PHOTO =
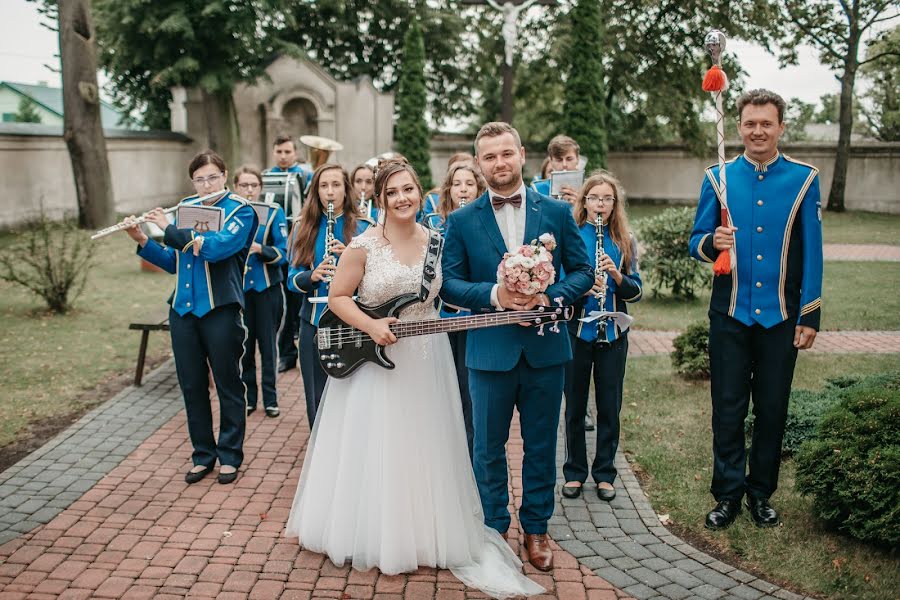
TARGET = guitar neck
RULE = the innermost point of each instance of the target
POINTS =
(431, 326)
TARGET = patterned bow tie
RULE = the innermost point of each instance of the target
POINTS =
(498, 201)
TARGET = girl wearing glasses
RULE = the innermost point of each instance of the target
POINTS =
(596, 346)
(312, 265)
(263, 296)
(205, 314)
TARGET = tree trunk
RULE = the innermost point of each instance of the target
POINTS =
(221, 125)
(82, 128)
(845, 121)
(506, 109)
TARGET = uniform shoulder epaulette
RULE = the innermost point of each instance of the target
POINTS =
(800, 162)
(716, 164)
(186, 198)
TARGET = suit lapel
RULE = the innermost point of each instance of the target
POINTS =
(533, 215)
(489, 221)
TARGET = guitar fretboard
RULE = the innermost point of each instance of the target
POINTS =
(430, 326)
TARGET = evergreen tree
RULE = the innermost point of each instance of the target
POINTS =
(411, 135)
(584, 113)
(27, 111)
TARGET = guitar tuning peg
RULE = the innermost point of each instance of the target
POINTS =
(559, 301)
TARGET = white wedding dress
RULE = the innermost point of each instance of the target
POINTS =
(387, 481)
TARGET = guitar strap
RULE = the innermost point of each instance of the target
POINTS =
(435, 246)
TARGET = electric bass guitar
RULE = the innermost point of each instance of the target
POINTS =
(343, 349)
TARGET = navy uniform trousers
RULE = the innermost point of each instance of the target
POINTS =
(262, 316)
(215, 340)
(287, 348)
(608, 364)
(748, 361)
(314, 377)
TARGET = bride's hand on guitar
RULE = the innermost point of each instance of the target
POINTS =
(325, 268)
(380, 331)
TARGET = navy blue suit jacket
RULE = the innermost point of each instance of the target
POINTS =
(474, 248)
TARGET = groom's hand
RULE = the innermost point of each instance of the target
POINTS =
(536, 300)
(511, 300)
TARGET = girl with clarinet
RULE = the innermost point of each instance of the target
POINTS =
(205, 314)
(328, 222)
(263, 295)
(599, 346)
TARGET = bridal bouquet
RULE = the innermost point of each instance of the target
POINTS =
(529, 270)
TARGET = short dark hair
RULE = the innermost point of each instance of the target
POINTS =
(560, 145)
(283, 139)
(761, 97)
(207, 157)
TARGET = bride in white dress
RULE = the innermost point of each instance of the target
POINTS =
(387, 481)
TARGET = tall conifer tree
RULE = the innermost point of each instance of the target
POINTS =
(411, 135)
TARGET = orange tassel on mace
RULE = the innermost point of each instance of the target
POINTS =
(722, 266)
(715, 80)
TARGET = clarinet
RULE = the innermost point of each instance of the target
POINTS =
(598, 271)
(329, 238)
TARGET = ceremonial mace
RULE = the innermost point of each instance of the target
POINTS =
(715, 81)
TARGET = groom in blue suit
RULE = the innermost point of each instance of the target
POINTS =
(512, 366)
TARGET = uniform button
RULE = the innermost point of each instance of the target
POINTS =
(251, 282)
(189, 304)
(760, 177)
(189, 265)
(187, 285)
(759, 202)
(759, 257)
(757, 311)
(759, 284)
(759, 230)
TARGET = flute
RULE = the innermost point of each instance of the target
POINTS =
(145, 217)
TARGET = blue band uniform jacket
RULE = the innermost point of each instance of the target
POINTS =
(777, 209)
(264, 268)
(214, 277)
(617, 295)
(541, 186)
(300, 277)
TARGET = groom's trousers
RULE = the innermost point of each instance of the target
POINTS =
(537, 394)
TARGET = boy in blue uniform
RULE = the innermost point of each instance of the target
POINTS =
(564, 154)
(263, 296)
(285, 153)
(205, 315)
(765, 310)
(310, 271)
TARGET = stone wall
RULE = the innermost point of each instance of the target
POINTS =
(148, 169)
(670, 174)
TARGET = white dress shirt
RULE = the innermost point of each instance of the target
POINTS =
(511, 222)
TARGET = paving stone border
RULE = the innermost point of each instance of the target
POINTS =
(47, 481)
(624, 542)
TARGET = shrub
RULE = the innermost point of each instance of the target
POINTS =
(50, 259)
(690, 356)
(665, 256)
(805, 412)
(852, 467)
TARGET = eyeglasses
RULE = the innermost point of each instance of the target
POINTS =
(205, 180)
(601, 199)
(246, 186)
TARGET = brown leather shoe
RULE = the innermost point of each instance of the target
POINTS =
(539, 553)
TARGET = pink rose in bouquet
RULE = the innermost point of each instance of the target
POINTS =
(529, 270)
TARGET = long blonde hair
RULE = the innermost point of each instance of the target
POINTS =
(445, 205)
(617, 226)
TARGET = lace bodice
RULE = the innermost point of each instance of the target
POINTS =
(386, 278)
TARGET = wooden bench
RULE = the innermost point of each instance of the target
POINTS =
(157, 321)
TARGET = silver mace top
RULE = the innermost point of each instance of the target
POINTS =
(715, 45)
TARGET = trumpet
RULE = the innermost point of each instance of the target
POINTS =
(329, 238)
(146, 216)
(598, 270)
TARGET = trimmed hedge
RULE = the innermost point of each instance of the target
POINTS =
(852, 466)
(805, 412)
(690, 354)
(665, 258)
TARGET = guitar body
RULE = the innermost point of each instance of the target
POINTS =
(343, 349)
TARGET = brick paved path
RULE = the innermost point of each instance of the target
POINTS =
(141, 532)
(864, 252)
(643, 342)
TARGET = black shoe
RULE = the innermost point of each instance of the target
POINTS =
(605, 494)
(588, 423)
(286, 366)
(194, 477)
(227, 477)
(569, 491)
(272, 411)
(723, 514)
(250, 410)
(762, 512)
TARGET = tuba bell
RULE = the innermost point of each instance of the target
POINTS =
(320, 149)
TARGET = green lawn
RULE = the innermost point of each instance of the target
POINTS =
(47, 362)
(666, 429)
(855, 296)
(837, 228)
